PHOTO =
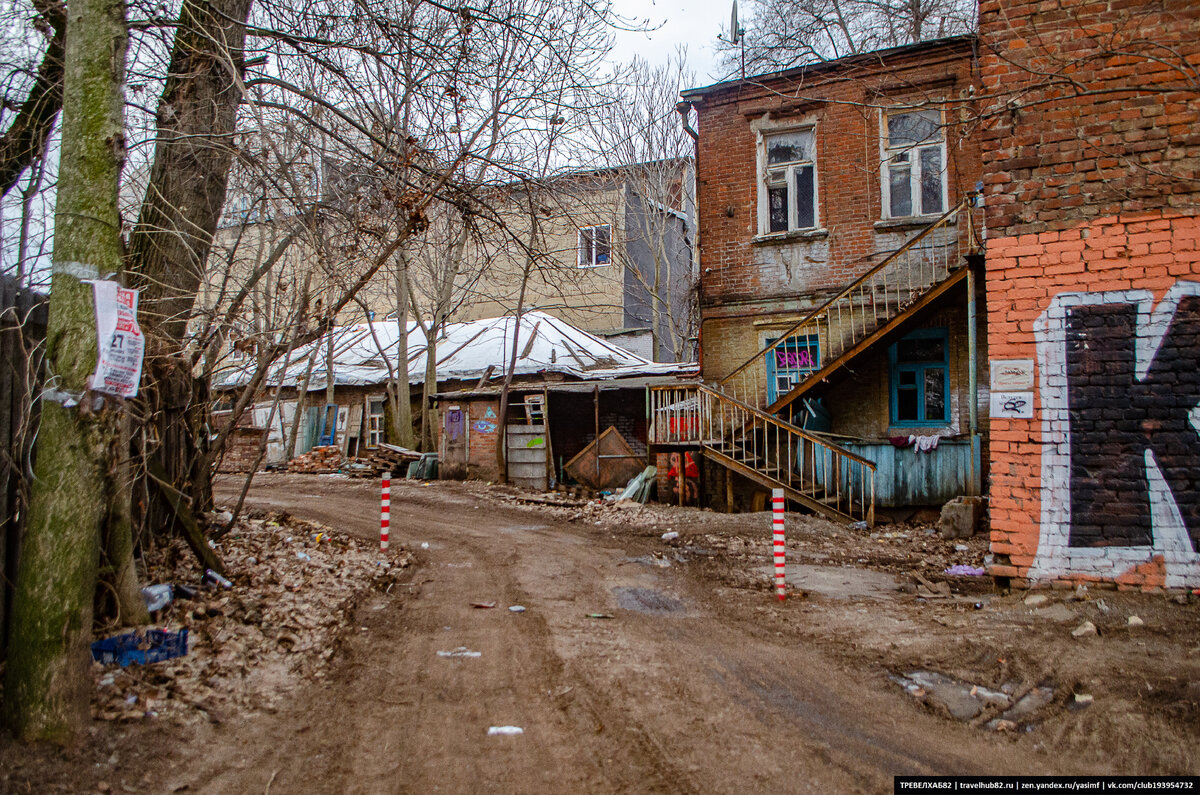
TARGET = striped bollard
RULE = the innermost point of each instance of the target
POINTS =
(385, 509)
(777, 506)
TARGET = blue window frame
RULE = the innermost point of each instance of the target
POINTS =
(789, 363)
(920, 378)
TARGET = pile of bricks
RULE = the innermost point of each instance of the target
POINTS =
(321, 460)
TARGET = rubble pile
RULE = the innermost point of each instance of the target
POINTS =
(384, 458)
(294, 586)
(321, 460)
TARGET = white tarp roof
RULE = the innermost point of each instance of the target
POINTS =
(465, 351)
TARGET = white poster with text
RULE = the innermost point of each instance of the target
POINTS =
(119, 338)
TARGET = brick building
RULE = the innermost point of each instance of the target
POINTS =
(836, 295)
(1092, 156)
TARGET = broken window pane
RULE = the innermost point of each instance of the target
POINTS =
(777, 199)
(935, 394)
(908, 129)
(931, 180)
(789, 147)
(906, 404)
(899, 192)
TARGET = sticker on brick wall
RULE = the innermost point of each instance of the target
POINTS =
(1120, 398)
(1013, 405)
(1011, 375)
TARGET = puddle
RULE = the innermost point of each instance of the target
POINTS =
(647, 600)
(965, 701)
(838, 582)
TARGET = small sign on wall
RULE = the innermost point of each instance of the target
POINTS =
(1013, 405)
(1010, 375)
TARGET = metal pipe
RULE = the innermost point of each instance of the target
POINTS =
(972, 374)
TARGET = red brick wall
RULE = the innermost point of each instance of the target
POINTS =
(743, 279)
(1093, 272)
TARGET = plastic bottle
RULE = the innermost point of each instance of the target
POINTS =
(157, 597)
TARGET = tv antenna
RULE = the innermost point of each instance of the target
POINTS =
(737, 35)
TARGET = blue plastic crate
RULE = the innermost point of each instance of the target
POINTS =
(141, 646)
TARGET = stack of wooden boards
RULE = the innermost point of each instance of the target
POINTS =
(384, 458)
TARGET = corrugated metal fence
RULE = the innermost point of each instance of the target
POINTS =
(23, 315)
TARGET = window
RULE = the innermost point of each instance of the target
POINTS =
(787, 191)
(920, 375)
(914, 164)
(595, 246)
(375, 424)
(790, 363)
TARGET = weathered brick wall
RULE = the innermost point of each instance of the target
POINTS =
(1093, 272)
(744, 277)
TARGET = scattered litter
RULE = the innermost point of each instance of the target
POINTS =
(424, 545)
(304, 556)
(859, 526)
(157, 597)
(1084, 699)
(483, 605)
(217, 579)
(1085, 630)
(516, 608)
(1134, 621)
(461, 651)
(504, 730)
(599, 615)
(669, 536)
(142, 646)
(961, 548)
(967, 571)
(1081, 592)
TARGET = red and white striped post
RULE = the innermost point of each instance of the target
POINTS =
(385, 510)
(777, 506)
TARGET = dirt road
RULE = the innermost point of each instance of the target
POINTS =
(684, 689)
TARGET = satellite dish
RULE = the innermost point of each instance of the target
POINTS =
(735, 33)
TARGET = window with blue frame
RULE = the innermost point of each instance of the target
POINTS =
(789, 363)
(920, 378)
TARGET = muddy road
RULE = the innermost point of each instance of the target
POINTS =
(639, 664)
(682, 690)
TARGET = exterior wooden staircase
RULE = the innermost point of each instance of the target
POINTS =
(737, 420)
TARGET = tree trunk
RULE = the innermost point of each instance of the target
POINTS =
(47, 676)
(170, 244)
(402, 411)
(118, 538)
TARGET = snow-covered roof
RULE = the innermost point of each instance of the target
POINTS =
(464, 351)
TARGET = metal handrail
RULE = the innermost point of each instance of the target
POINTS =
(829, 478)
(860, 318)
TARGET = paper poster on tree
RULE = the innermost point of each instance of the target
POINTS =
(120, 344)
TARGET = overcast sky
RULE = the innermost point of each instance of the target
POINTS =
(694, 23)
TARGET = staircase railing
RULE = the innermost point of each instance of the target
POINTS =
(854, 313)
(812, 470)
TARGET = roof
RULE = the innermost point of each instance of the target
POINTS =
(465, 351)
(873, 56)
(690, 371)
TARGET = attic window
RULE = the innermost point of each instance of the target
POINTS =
(595, 246)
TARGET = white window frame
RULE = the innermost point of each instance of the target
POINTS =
(587, 240)
(376, 427)
(887, 153)
(764, 183)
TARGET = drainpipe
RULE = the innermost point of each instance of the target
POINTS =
(684, 109)
(972, 373)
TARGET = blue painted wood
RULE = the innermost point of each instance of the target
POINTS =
(905, 477)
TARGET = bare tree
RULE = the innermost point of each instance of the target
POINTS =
(780, 34)
(643, 142)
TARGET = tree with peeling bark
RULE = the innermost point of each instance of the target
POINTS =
(46, 689)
